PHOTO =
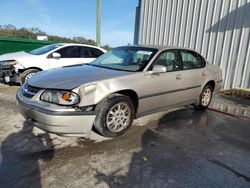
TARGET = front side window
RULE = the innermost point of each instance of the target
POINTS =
(125, 58)
(69, 52)
(191, 60)
(169, 59)
(87, 52)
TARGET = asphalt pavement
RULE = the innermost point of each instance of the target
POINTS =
(178, 148)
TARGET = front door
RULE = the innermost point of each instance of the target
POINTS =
(70, 55)
(162, 90)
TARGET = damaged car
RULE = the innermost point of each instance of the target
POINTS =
(126, 83)
(18, 67)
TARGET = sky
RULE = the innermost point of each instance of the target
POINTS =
(68, 18)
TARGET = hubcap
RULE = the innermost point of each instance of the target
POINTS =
(206, 97)
(29, 76)
(118, 117)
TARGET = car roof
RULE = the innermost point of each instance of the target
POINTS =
(77, 44)
(159, 47)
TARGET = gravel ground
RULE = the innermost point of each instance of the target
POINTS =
(178, 148)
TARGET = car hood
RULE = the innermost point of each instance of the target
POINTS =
(71, 77)
(15, 56)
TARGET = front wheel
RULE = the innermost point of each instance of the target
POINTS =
(27, 75)
(114, 116)
(204, 98)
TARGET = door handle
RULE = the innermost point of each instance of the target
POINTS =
(178, 77)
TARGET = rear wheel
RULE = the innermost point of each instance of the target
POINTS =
(27, 75)
(205, 98)
(114, 116)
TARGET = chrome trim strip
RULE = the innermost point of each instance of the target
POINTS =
(167, 92)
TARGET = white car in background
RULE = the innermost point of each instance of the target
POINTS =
(18, 67)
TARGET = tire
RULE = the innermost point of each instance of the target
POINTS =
(110, 122)
(27, 74)
(205, 98)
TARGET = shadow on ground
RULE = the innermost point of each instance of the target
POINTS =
(20, 155)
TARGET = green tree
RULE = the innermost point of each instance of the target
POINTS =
(32, 33)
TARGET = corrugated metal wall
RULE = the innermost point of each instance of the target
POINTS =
(218, 29)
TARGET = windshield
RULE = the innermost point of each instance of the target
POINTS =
(125, 58)
(44, 49)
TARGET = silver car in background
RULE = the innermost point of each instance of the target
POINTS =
(125, 83)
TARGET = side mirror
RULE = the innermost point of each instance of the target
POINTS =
(56, 55)
(159, 69)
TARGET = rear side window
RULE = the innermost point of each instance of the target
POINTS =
(87, 52)
(69, 52)
(191, 60)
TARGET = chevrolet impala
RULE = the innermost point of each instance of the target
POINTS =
(119, 86)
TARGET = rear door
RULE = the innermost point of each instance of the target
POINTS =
(192, 74)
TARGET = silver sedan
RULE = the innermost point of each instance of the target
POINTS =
(119, 86)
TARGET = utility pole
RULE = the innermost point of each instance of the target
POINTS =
(98, 24)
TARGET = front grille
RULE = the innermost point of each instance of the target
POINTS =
(29, 91)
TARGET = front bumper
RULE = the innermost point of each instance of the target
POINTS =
(58, 121)
(9, 75)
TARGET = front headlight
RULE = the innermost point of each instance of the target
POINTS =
(8, 63)
(67, 98)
